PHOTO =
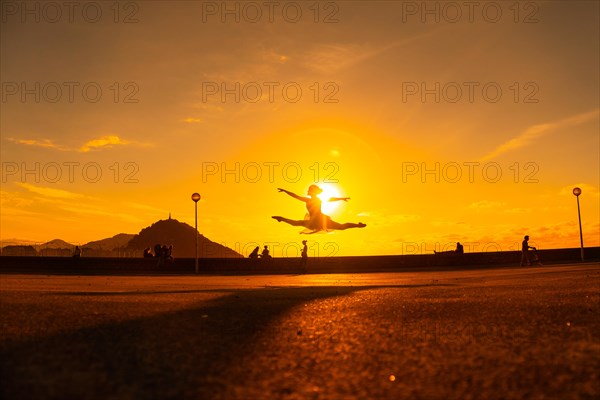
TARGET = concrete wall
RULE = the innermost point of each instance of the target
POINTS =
(285, 265)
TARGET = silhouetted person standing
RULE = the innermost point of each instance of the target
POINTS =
(77, 252)
(158, 253)
(525, 251)
(304, 257)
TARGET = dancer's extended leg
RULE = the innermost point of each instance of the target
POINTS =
(291, 221)
(347, 225)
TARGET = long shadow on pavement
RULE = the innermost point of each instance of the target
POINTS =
(182, 354)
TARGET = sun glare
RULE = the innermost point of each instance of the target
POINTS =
(329, 190)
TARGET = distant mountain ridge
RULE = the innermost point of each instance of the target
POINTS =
(18, 242)
(164, 232)
(118, 241)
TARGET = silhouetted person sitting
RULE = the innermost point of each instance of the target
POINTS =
(147, 253)
(265, 253)
(459, 249)
(525, 251)
(254, 253)
(77, 252)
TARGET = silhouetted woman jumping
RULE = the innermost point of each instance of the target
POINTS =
(316, 221)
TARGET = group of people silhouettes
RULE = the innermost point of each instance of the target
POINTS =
(163, 253)
(315, 221)
(527, 257)
(264, 254)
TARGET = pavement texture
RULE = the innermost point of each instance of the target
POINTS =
(511, 333)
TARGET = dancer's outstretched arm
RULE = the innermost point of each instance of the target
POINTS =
(339, 199)
(294, 195)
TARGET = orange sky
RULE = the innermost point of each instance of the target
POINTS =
(401, 111)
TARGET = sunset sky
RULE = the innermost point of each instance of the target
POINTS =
(379, 104)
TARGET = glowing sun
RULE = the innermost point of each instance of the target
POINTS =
(329, 190)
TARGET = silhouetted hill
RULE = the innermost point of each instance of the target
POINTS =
(55, 248)
(181, 236)
(55, 244)
(116, 242)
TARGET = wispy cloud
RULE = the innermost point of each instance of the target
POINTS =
(101, 143)
(535, 132)
(100, 211)
(448, 224)
(50, 192)
(145, 207)
(519, 210)
(68, 206)
(46, 143)
(486, 204)
(377, 218)
(8, 199)
(586, 190)
(191, 120)
(332, 58)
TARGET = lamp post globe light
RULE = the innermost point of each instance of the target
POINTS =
(196, 198)
(577, 192)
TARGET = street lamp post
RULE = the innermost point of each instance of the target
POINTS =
(195, 198)
(577, 192)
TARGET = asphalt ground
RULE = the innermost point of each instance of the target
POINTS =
(509, 333)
